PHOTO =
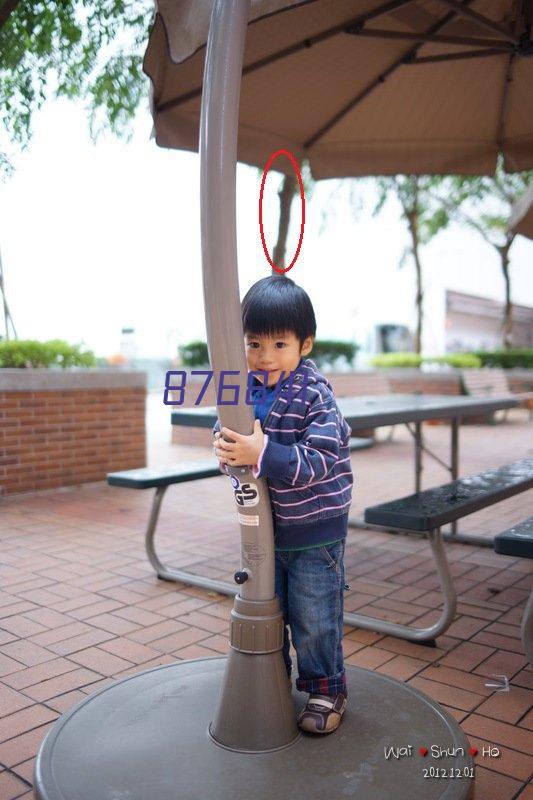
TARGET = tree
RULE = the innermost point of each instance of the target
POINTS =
(425, 218)
(89, 49)
(287, 191)
(484, 204)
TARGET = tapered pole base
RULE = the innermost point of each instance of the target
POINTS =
(255, 711)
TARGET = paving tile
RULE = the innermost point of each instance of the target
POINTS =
(218, 643)
(192, 651)
(206, 621)
(443, 693)
(524, 678)
(76, 643)
(507, 762)
(53, 687)
(130, 651)
(27, 652)
(498, 732)
(12, 701)
(466, 656)
(113, 624)
(94, 658)
(507, 706)
(167, 644)
(497, 641)
(9, 665)
(402, 667)
(17, 750)
(25, 720)
(490, 785)
(24, 771)
(464, 627)
(403, 647)
(369, 657)
(526, 793)
(157, 631)
(41, 672)
(527, 721)
(502, 663)
(455, 677)
(11, 786)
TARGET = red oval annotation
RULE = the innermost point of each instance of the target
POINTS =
(296, 168)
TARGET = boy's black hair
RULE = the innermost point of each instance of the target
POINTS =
(274, 305)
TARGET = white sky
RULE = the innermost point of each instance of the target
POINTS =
(96, 238)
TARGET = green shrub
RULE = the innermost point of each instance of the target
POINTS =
(385, 360)
(21, 353)
(458, 360)
(517, 357)
(326, 351)
(194, 354)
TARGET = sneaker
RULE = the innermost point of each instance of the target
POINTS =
(322, 713)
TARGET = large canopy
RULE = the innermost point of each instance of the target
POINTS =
(425, 86)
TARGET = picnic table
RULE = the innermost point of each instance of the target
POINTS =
(375, 411)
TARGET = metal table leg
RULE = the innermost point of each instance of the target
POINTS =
(455, 422)
(418, 456)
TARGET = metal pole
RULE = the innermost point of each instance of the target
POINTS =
(225, 338)
(255, 710)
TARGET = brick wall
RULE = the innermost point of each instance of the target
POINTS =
(64, 428)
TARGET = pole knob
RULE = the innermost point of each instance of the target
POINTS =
(241, 576)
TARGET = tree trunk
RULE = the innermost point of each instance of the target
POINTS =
(507, 322)
(286, 195)
(7, 316)
(413, 229)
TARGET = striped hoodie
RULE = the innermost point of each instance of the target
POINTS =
(306, 461)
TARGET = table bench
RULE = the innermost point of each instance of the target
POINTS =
(160, 479)
(425, 512)
(518, 541)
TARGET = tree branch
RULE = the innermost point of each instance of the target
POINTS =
(7, 9)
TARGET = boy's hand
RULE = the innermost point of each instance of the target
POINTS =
(244, 451)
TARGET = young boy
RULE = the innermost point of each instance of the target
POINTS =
(300, 445)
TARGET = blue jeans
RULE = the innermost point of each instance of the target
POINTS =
(310, 587)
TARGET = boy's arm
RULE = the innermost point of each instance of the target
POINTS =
(313, 457)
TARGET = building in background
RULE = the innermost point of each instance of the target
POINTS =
(475, 323)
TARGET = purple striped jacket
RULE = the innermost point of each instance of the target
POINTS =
(306, 461)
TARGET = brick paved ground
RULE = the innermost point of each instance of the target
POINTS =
(80, 606)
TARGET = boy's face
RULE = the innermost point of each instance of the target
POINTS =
(275, 354)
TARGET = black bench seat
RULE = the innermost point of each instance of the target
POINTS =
(359, 443)
(516, 541)
(148, 478)
(426, 511)
(160, 479)
(432, 508)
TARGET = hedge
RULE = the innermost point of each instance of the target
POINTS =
(24, 353)
(195, 354)
(508, 359)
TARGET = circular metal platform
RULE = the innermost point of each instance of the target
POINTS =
(146, 738)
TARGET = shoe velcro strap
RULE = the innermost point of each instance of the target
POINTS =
(319, 702)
